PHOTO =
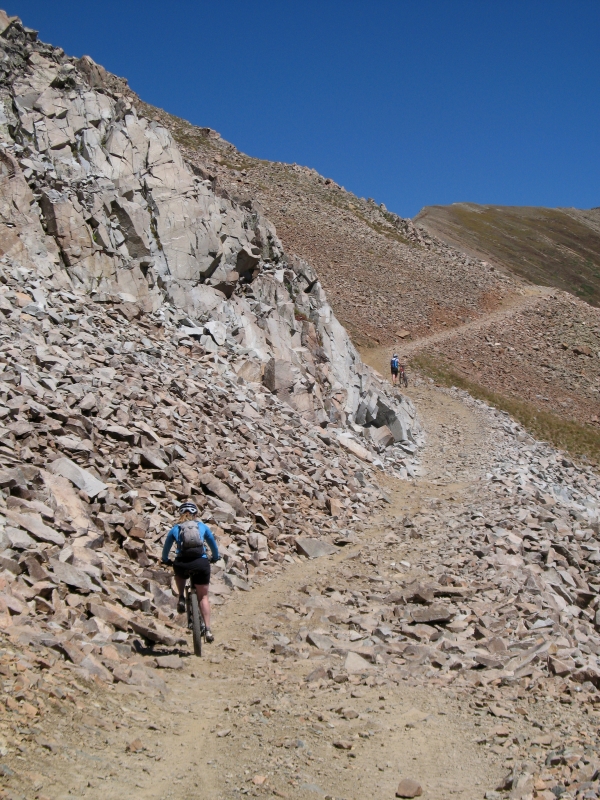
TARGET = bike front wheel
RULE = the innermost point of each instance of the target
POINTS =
(196, 623)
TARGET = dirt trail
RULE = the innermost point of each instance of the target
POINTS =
(379, 357)
(244, 720)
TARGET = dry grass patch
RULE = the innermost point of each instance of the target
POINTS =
(548, 246)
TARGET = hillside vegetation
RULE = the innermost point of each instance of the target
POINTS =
(557, 247)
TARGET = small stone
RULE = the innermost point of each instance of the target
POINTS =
(561, 667)
(435, 614)
(83, 479)
(319, 641)
(72, 576)
(318, 674)
(315, 548)
(96, 668)
(409, 788)
(28, 709)
(135, 746)
(343, 744)
(356, 664)
(169, 662)
(498, 711)
(48, 744)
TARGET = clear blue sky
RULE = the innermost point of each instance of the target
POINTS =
(413, 103)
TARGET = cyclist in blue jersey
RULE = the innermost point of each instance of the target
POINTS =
(394, 366)
(191, 560)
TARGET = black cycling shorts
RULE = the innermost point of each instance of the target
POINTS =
(198, 570)
(394, 372)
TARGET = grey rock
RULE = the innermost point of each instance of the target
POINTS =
(217, 330)
(72, 576)
(314, 548)
(434, 613)
(319, 641)
(235, 582)
(169, 662)
(355, 664)
(83, 479)
(34, 524)
(18, 538)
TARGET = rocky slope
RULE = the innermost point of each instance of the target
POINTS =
(557, 247)
(544, 353)
(397, 283)
(454, 647)
(99, 199)
(156, 343)
(541, 350)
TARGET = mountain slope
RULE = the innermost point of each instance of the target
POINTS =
(156, 343)
(394, 283)
(381, 274)
(557, 247)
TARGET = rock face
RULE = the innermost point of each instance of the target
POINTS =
(156, 343)
(98, 199)
(386, 278)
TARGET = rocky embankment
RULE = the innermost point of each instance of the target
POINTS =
(453, 646)
(489, 593)
(156, 343)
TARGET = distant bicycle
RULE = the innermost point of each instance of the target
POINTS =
(402, 375)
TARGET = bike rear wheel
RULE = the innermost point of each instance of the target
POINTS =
(196, 620)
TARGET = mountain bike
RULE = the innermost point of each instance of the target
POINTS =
(195, 620)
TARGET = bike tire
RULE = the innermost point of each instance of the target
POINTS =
(196, 623)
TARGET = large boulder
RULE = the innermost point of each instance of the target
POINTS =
(395, 418)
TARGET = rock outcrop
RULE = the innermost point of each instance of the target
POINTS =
(97, 199)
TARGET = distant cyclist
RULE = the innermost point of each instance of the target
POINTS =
(402, 374)
(191, 559)
(394, 367)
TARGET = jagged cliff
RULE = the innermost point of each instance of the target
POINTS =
(97, 198)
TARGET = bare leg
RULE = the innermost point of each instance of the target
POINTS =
(202, 592)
